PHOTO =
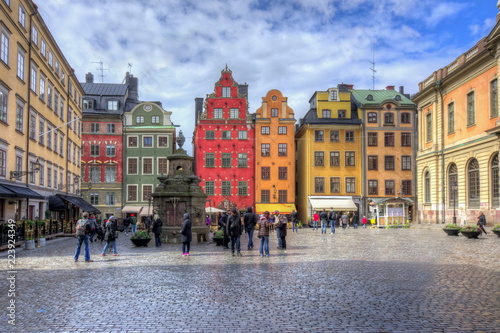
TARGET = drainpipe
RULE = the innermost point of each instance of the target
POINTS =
(443, 178)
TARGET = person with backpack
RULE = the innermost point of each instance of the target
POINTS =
(234, 230)
(295, 221)
(250, 220)
(332, 216)
(186, 234)
(83, 230)
(157, 231)
(281, 228)
(133, 223)
(126, 224)
(223, 225)
(264, 228)
(110, 236)
(93, 227)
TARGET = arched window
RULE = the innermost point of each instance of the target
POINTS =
(453, 185)
(427, 187)
(473, 183)
(495, 192)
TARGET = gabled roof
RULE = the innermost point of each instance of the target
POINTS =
(380, 96)
(105, 89)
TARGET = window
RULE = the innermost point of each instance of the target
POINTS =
(282, 130)
(110, 150)
(326, 113)
(226, 160)
(282, 149)
(389, 187)
(274, 112)
(471, 111)
(209, 187)
(242, 160)
(217, 113)
(473, 184)
(49, 177)
(389, 139)
(405, 162)
(20, 63)
(226, 91)
(51, 58)
(373, 187)
(372, 162)
(265, 196)
(41, 129)
(41, 174)
(61, 144)
(132, 193)
(319, 184)
(3, 163)
(20, 117)
(495, 183)
(226, 187)
(334, 136)
(94, 198)
(147, 141)
(95, 174)
(388, 118)
(233, 113)
(146, 192)
(110, 173)
(350, 184)
(242, 135)
(335, 184)
(349, 136)
(22, 16)
(49, 136)
(265, 173)
(389, 162)
(282, 196)
(405, 118)
(406, 187)
(334, 158)
(3, 104)
(372, 139)
(342, 114)
(57, 68)
(162, 165)
(112, 105)
(132, 168)
(265, 130)
(155, 119)
(94, 150)
(41, 92)
(282, 173)
(319, 158)
(333, 95)
(4, 47)
(451, 118)
(428, 129)
(132, 141)
(110, 128)
(242, 188)
(319, 136)
(494, 98)
(43, 48)
(34, 34)
(110, 198)
(406, 139)
(147, 165)
(34, 80)
(88, 104)
(350, 158)
(226, 135)
(139, 119)
(209, 160)
(163, 141)
(50, 87)
(372, 117)
(210, 135)
(265, 149)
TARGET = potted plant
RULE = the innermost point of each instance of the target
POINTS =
(496, 230)
(470, 231)
(29, 243)
(218, 237)
(452, 229)
(140, 238)
(42, 241)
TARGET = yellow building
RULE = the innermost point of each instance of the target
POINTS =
(40, 112)
(275, 155)
(457, 159)
(328, 154)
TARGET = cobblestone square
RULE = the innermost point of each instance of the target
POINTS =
(356, 280)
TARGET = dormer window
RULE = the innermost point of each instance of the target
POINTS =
(369, 98)
(397, 98)
(334, 95)
(88, 104)
(112, 105)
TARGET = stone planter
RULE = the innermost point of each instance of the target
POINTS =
(42, 242)
(141, 242)
(471, 234)
(218, 241)
(496, 232)
(452, 232)
(29, 244)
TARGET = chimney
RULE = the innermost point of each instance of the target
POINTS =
(389, 88)
(89, 78)
(133, 86)
(350, 86)
(402, 90)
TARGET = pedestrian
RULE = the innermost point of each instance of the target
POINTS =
(315, 219)
(355, 220)
(323, 216)
(110, 236)
(186, 234)
(295, 221)
(223, 225)
(126, 224)
(345, 219)
(364, 221)
(250, 220)
(157, 231)
(332, 216)
(133, 223)
(234, 230)
(278, 230)
(264, 226)
(83, 229)
(208, 221)
(147, 224)
(281, 225)
(93, 227)
(481, 222)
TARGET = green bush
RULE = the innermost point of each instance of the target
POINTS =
(496, 227)
(452, 226)
(141, 234)
(470, 228)
(219, 234)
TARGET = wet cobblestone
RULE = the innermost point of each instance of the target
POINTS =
(357, 280)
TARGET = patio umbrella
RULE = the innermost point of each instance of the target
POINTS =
(214, 210)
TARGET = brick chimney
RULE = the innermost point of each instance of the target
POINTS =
(389, 88)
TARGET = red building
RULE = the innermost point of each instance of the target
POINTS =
(224, 140)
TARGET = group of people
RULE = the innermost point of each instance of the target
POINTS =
(342, 219)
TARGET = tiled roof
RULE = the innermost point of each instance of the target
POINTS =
(105, 89)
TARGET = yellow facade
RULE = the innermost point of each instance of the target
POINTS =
(275, 154)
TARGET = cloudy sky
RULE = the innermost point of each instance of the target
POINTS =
(177, 48)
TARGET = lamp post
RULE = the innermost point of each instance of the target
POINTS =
(149, 205)
(19, 174)
(454, 188)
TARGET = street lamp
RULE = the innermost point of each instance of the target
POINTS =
(454, 188)
(149, 205)
(19, 174)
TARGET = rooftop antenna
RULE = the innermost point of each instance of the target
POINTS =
(130, 67)
(101, 68)
(373, 67)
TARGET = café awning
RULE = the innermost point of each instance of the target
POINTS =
(335, 203)
(21, 192)
(79, 202)
(283, 208)
(132, 209)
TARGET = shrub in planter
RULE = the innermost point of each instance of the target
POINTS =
(140, 238)
(452, 229)
(496, 230)
(29, 243)
(470, 231)
(218, 237)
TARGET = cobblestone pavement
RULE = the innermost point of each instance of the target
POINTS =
(357, 280)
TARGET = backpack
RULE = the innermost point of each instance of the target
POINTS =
(82, 227)
(235, 227)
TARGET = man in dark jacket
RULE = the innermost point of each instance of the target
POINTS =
(323, 216)
(281, 229)
(157, 231)
(250, 220)
(223, 225)
(234, 230)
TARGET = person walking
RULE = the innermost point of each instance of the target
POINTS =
(133, 223)
(250, 220)
(93, 227)
(126, 224)
(315, 219)
(264, 226)
(481, 222)
(186, 234)
(281, 225)
(83, 229)
(345, 219)
(223, 225)
(332, 216)
(110, 236)
(364, 221)
(295, 221)
(323, 216)
(234, 231)
(157, 224)
(148, 223)
(278, 230)
(355, 220)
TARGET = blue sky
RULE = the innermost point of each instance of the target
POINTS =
(178, 48)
